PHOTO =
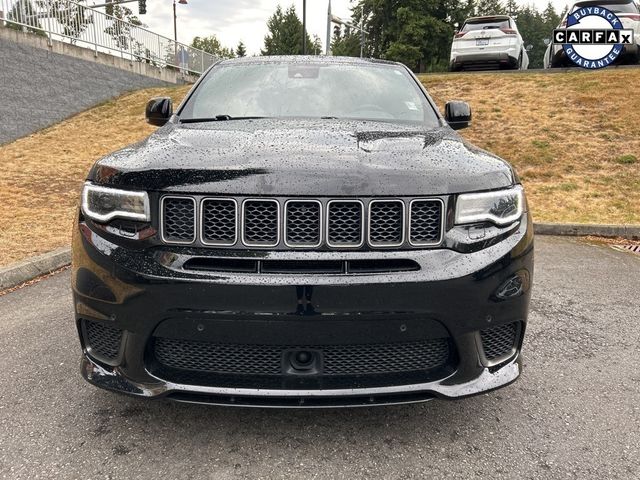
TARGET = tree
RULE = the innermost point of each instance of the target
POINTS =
(511, 8)
(23, 13)
(347, 45)
(316, 46)
(415, 32)
(490, 7)
(121, 28)
(73, 18)
(241, 51)
(285, 33)
(534, 28)
(212, 45)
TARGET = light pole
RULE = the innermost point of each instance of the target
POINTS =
(304, 27)
(175, 30)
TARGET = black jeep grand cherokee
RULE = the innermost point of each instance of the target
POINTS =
(303, 232)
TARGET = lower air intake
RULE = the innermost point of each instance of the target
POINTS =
(102, 340)
(246, 359)
(500, 342)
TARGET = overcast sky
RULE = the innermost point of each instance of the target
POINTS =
(246, 20)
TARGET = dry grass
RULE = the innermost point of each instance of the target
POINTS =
(42, 173)
(574, 138)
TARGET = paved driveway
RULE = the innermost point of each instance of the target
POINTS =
(575, 413)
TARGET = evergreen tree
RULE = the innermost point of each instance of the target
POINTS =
(285, 33)
(490, 7)
(347, 45)
(241, 51)
(511, 7)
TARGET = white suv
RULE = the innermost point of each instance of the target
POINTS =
(488, 42)
(628, 13)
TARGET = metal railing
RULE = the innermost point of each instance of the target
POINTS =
(71, 22)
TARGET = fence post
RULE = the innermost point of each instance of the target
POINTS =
(95, 39)
(49, 30)
(159, 52)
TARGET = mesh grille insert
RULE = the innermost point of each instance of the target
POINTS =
(426, 226)
(179, 217)
(103, 339)
(499, 341)
(386, 220)
(268, 359)
(303, 223)
(345, 223)
(260, 222)
(219, 221)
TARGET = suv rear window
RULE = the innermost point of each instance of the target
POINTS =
(486, 25)
(619, 7)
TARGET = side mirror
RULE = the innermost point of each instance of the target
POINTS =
(529, 48)
(457, 114)
(159, 110)
(547, 41)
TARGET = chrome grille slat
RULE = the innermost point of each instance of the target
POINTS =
(338, 223)
(303, 223)
(261, 222)
(386, 223)
(218, 221)
(427, 222)
(345, 223)
(178, 219)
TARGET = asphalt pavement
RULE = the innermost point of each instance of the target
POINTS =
(575, 412)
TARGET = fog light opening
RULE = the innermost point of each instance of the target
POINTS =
(514, 286)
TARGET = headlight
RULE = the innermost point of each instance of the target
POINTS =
(500, 207)
(103, 204)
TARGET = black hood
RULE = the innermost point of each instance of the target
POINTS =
(302, 157)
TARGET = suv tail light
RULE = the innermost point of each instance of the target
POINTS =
(631, 16)
(508, 31)
(459, 34)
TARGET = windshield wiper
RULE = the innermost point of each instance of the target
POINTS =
(217, 118)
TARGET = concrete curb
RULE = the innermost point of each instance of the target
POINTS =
(42, 264)
(33, 267)
(631, 232)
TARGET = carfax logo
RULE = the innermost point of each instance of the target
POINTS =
(594, 37)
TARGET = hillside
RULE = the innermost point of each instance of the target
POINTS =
(573, 137)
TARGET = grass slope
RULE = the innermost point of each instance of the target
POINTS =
(573, 137)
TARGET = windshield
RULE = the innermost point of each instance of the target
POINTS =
(486, 25)
(310, 89)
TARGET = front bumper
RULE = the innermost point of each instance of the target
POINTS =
(140, 293)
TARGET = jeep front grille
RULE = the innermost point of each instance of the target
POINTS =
(283, 223)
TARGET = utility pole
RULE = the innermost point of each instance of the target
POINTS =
(361, 32)
(304, 27)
